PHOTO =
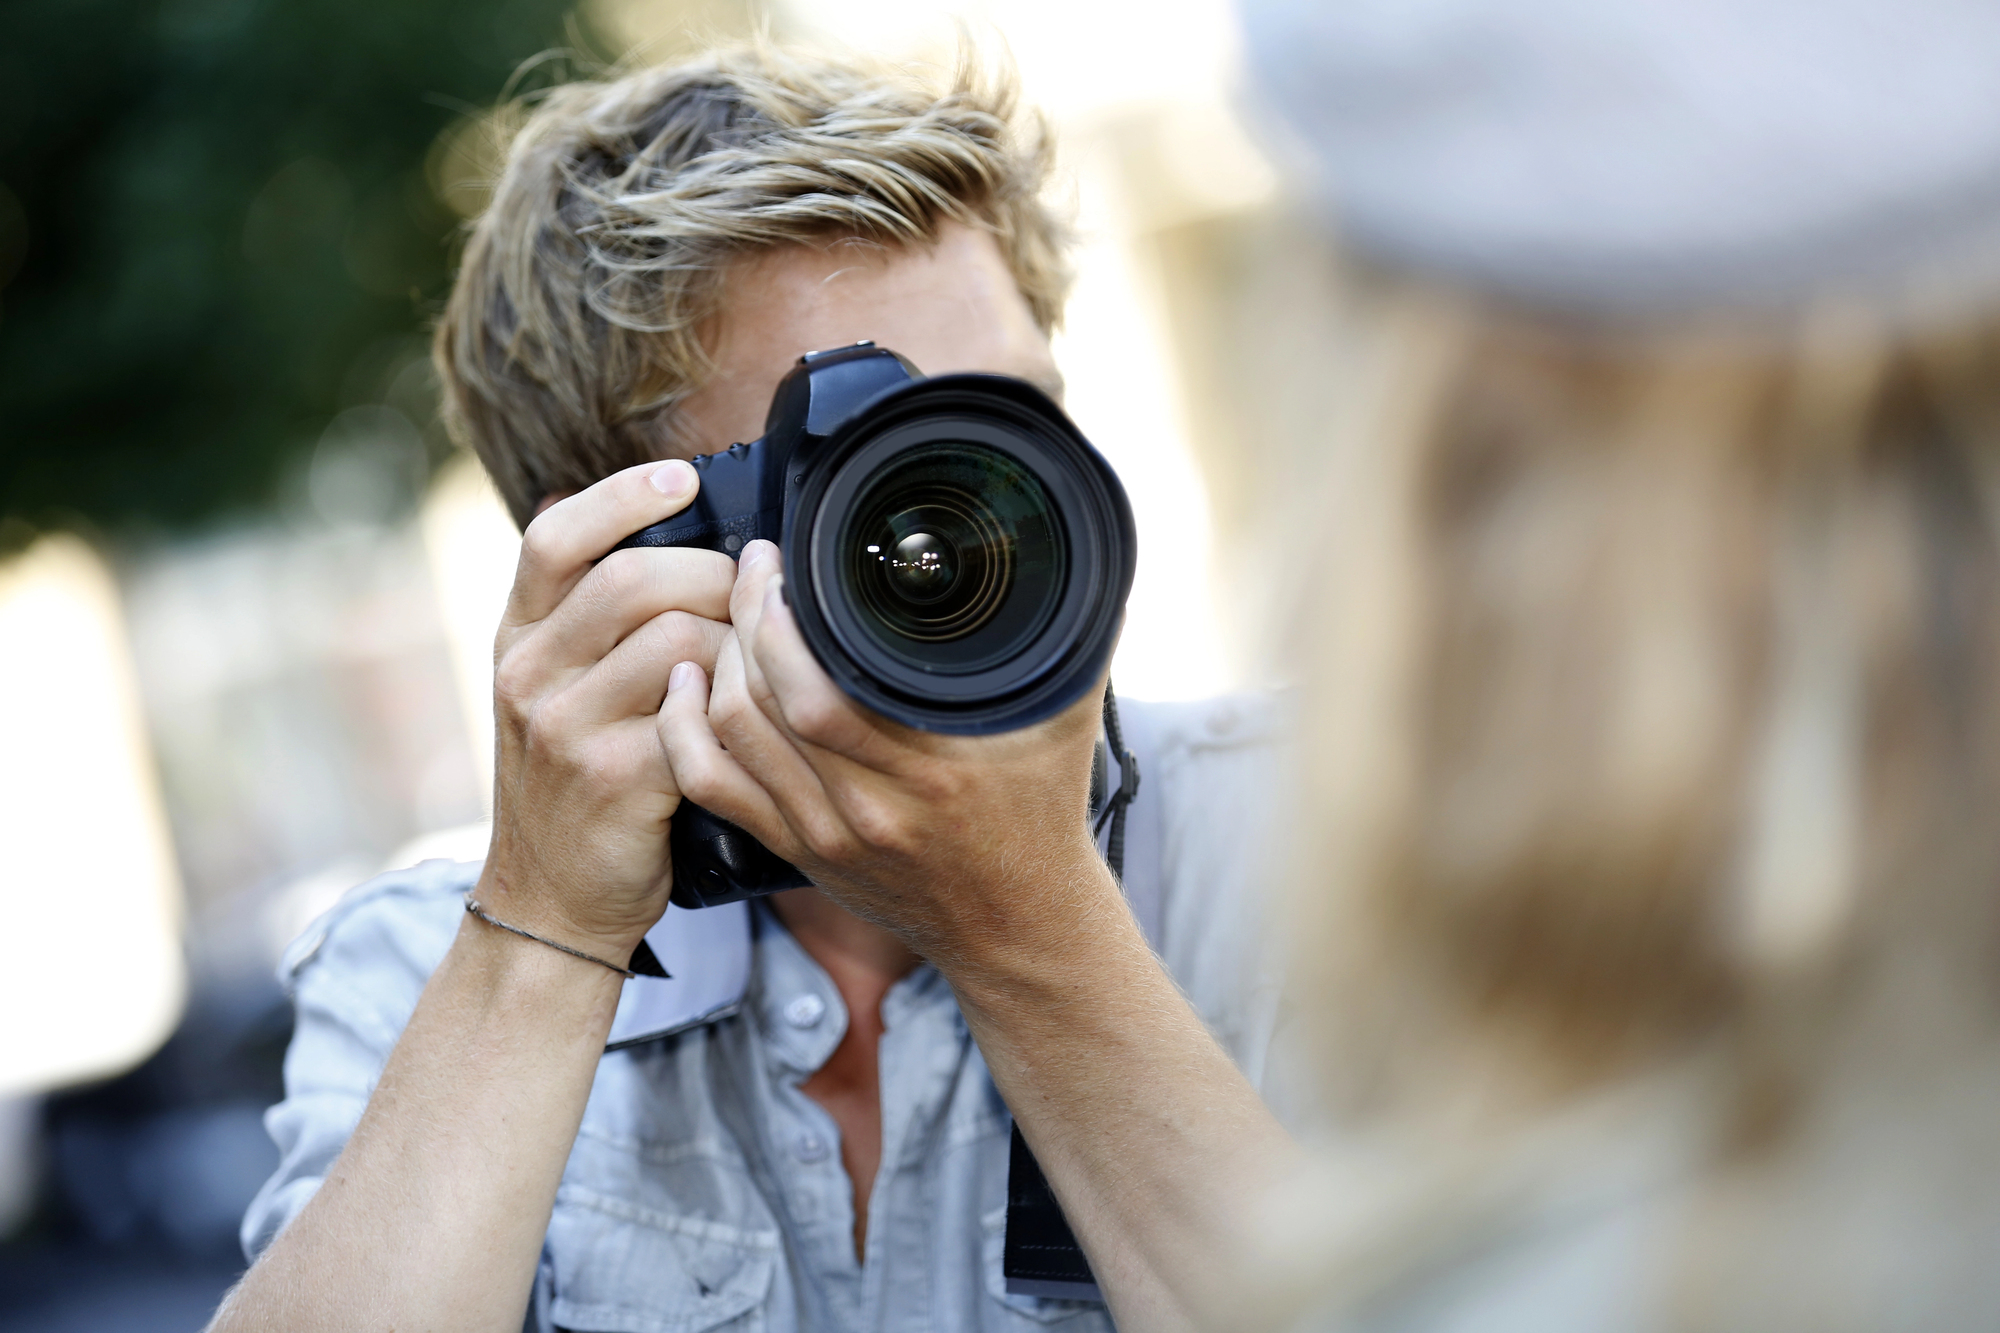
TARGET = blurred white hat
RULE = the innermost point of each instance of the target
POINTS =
(1647, 154)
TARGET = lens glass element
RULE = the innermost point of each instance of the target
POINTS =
(953, 556)
(923, 567)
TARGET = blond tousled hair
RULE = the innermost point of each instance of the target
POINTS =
(577, 320)
(1653, 722)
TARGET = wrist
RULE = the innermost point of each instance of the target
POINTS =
(1067, 930)
(474, 909)
(511, 976)
(511, 899)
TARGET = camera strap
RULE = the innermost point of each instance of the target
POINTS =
(1041, 1255)
(1116, 805)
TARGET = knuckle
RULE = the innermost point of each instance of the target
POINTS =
(541, 542)
(547, 728)
(876, 824)
(757, 691)
(711, 570)
(516, 678)
(939, 785)
(877, 827)
(680, 632)
(731, 714)
(620, 575)
(831, 842)
(699, 777)
(817, 719)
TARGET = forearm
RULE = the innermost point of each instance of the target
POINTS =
(1149, 1135)
(433, 1216)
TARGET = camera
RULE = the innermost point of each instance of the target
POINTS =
(957, 557)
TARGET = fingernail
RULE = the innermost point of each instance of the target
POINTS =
(757, 552)
(681, 676)
(674, 478)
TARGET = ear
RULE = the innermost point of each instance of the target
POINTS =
(550, 499)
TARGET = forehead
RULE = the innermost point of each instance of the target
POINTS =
(950, 306)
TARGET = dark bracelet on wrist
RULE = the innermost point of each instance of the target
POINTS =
(472, 906)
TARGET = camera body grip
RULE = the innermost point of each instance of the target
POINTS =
(744, 497)
(716, 862)
(740, 501)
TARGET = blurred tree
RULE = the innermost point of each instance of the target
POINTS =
(217, 231)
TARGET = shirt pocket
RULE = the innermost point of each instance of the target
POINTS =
(1030, 1311)
(622, 1268)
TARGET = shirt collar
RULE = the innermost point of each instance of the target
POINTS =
(798, 1009)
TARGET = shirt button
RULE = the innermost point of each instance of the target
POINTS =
(810, 1148)
(804, 1011)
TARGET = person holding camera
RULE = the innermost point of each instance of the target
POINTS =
(830, 1149)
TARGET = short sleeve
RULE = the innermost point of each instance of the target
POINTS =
(354, 977)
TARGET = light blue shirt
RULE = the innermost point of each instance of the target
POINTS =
(705, 1190)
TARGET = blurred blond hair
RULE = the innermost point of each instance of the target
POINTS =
(1652, 721)
(576, 322)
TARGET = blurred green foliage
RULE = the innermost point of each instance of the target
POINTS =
(217, 232)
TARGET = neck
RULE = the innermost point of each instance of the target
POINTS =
(863, 959)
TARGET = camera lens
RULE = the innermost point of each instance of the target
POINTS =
(953, 556)
(956, 554)
(935, 569)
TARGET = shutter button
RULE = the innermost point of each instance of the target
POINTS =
(811, 1148)
(805, 1010)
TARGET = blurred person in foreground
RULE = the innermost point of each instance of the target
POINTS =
(1649, 920)
(458, 1149)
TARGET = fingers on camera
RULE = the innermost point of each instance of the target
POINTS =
(704, 772)
(780, 673)
(559, 546)
(632, 678)
(759, 742)
(627, 590)
(754, 573)
(792, 689)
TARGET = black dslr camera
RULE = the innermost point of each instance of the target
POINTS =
(957, 557)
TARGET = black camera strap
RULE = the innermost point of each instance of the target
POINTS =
(1041, 1256)
(1116, 805)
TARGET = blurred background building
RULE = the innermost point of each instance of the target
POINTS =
(248, 590)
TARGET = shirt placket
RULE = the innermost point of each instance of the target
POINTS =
(923, 1044)
(802, 1021)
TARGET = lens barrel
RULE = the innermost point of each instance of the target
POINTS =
(958, 556)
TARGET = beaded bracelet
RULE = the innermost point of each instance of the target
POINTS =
(472, 906)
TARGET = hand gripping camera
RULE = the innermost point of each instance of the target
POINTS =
(957, 558)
